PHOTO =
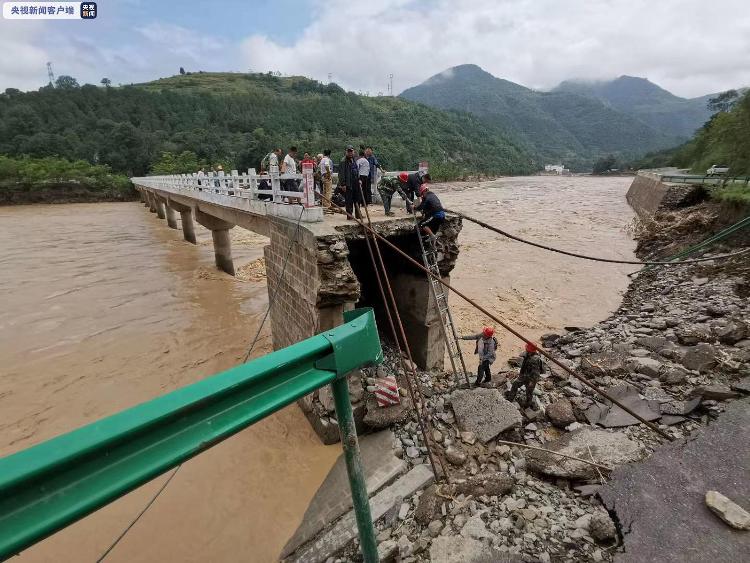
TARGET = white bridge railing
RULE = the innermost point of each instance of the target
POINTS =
(251, 189)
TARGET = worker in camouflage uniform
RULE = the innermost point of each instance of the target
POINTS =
(387, 187)
(532, 367)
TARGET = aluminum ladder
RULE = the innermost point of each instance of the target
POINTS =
(450, 337)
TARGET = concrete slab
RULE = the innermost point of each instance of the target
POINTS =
(334, 498)
(485, 412)
(345, 530)
(660, 502)
(611, 416)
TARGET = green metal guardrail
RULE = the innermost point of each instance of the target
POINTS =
(49, 486)
(696, 179)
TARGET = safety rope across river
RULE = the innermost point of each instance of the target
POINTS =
(503, 324)
(594, 258)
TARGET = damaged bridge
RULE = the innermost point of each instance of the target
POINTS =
(325, 263)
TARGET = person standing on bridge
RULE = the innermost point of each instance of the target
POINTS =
(411, 184)
(271, 159)
(326, 175)
(363, 165)
(531, 370)
(433, 215)
(349, 183)
(486, 349)
(375, 170)
(289, 166)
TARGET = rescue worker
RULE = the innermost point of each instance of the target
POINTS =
(411, 184)
(532, 367)
(386, 188)
(486, 348)
(433, 215)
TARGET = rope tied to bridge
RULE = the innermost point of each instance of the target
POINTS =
(595, 258)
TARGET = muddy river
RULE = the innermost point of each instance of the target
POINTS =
(105, 307)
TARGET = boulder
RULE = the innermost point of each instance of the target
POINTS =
(701, 357)
(653, 343)
(485, 412)
(731, 333)
(692, 335)
(673, 376)
(475, 528)
(606, 447)
(601, 527)
(383, 417)
(714, 392)
(429, 505)
(646, 366)
(731, 513)
(455, 456)
(549, 339)
(604, 363)
(560, 413)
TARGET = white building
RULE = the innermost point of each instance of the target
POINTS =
(554, 168)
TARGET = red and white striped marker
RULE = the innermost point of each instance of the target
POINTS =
(386, 391)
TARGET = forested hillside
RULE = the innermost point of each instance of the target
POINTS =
(235, 119)
(644, 100)
(554, 126)
(723, 140)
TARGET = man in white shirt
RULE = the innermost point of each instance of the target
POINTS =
(289, 166)
(364, 176)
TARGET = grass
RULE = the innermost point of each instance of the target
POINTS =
(732, 194)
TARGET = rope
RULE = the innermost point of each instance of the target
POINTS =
(276, 289)
(510, 329)
(141, 513)
(594, 258)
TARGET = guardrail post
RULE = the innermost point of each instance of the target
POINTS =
(253, 181)
(275, 183)
(360, 500)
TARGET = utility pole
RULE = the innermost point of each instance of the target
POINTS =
(50, 74)
(390, 84)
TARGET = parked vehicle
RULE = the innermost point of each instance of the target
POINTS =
(717, 170)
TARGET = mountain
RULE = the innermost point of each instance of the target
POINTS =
(644, 100)
(234, 119)
(554, 126)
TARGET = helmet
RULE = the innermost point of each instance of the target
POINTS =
(403, 176)
(531, 347)
(423, 188)
(488, 331)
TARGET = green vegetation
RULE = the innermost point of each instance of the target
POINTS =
(177, 124)
(556, 126)
(724, 139)
(29, 180)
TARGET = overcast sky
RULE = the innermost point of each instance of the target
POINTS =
(690, 47)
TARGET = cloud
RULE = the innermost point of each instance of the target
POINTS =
(537, 43)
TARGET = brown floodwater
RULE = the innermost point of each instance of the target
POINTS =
(105, 307)
(537, 291)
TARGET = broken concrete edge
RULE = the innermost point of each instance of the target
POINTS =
(341, 532)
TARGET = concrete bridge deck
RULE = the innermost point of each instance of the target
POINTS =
(328, 269)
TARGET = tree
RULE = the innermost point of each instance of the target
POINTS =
(106, 82)
(724, 101)
(605, 164)
(182, 70)
(65, 82)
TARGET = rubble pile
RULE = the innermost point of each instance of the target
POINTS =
(674, 352)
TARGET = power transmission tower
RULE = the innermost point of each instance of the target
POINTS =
(330, 76)
(50, 74)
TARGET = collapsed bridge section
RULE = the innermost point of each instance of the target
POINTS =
(329, 270)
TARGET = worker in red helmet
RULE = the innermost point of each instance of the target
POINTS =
(532, 368)
(486, 349)
(411, 183)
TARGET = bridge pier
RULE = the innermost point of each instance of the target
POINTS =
(143, 197)
(151, 201)
(222, 242)
(186, 218)
(171, 215)
(159, 202)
